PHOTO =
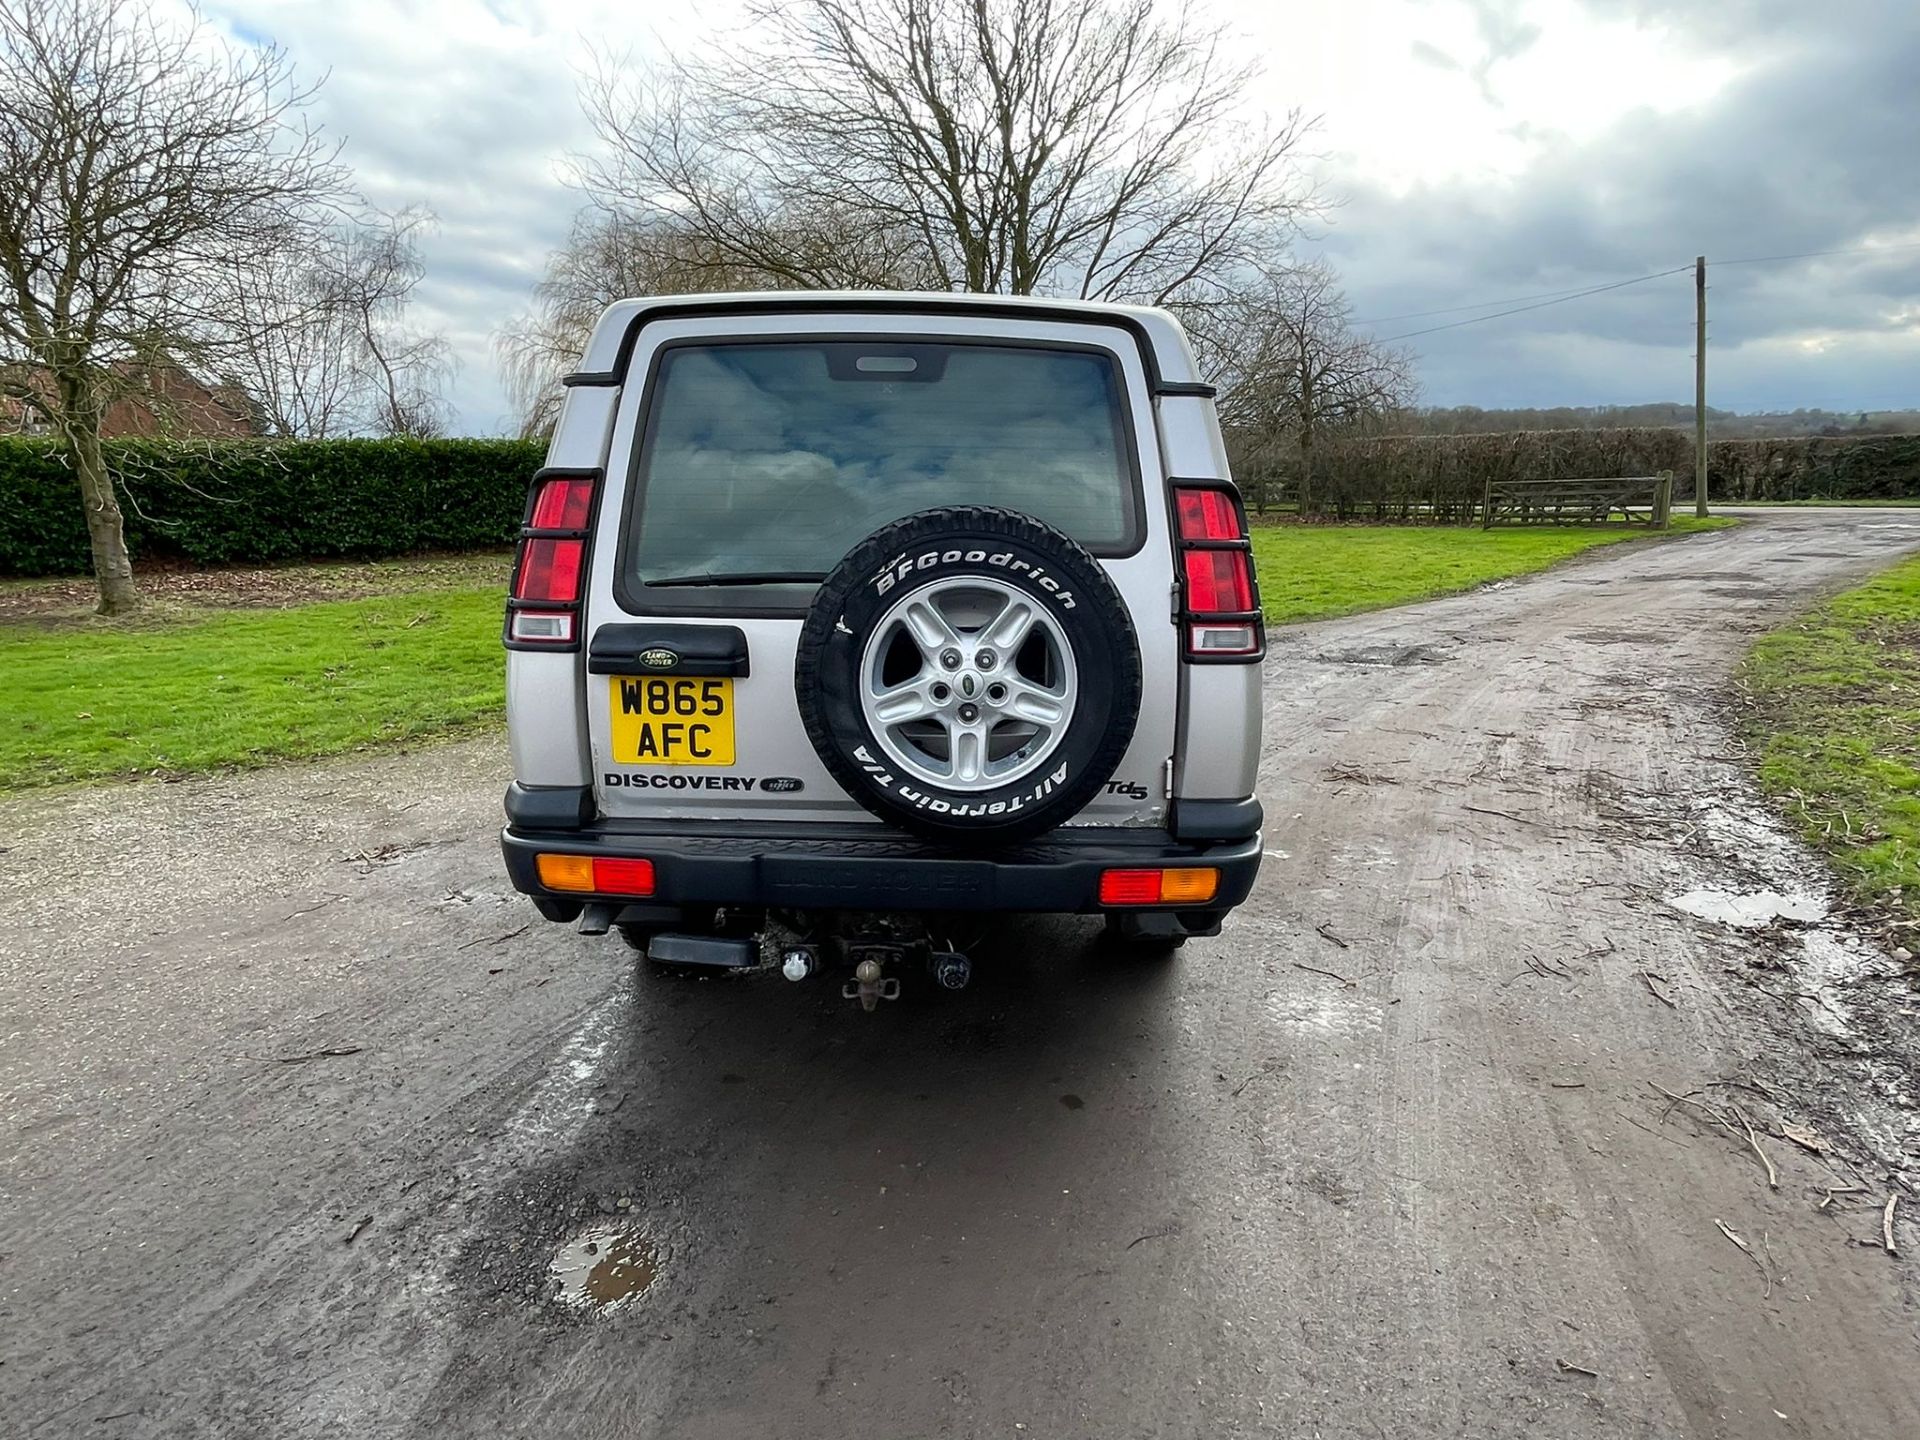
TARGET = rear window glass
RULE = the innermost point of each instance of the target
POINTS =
(775, 459)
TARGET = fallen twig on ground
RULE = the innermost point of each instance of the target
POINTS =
(1547, 967)
(358, 1226)
(1726, 1119)
(494, 939)
(1567, 1367)
(1886, 1225)
(318, 1055)
(1504, 815)
(1325, 931)
(1773, 1179)
(1264, 1070)
(1358, 776)
(1753, 1085)
(1803, 1137)
(1153, 1235)
(311, 908)
(1647, 978)
(1330, 974)
(1747, 1250)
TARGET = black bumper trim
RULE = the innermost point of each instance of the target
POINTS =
(549, 807)
(1217, 820)
(1060, 875)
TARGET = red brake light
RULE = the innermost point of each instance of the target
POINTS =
(595, 874)
(1129, 887)
(623, 877)
(1208, 515)
(1218, 582)
(550, 571)
(563, 504)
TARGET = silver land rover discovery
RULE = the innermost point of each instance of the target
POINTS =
(842, 621)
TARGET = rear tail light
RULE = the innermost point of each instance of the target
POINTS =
(550, 570)
(541, 627)
(563, 504)
(594, 875)
(1183, 885)
(1208, 515)
(1218, 582)
(1220, 610)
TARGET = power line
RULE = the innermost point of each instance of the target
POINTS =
(1556, 297)
(1483, 305)
(1541, 305)
(1818, 254)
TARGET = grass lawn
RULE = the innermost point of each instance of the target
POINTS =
(1309, 572)
(1835, 720)
(243, 667)
(245, 686)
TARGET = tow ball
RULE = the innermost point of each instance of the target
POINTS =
(869, 986)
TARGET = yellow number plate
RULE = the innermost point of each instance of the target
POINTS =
(671, 720)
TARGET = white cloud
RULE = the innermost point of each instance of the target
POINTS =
(1489, 147)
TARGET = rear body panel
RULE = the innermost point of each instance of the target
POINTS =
(1190, 769)
(770, 742)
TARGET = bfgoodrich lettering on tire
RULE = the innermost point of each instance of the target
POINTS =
(969, 673)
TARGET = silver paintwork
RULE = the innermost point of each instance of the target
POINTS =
(1218, 750)
(968, 693)
(546, 723)
(558, 715)
(770, 737)
(546, 693)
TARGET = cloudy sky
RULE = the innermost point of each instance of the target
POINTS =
(1485, 151)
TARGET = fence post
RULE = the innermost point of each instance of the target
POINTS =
(1663, 500)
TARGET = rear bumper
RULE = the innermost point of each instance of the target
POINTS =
(850, 868)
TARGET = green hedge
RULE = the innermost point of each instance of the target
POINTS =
(1443, 476)
(256, 501)
(1813, 467)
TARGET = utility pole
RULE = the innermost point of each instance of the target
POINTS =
(1700, 386)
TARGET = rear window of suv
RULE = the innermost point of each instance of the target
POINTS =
(765, 462)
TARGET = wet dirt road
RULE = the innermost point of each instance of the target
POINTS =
(297, 1107)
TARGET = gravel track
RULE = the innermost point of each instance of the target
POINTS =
(297, 1103)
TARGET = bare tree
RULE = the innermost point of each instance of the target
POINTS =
(323, 345)
(1290, 366)
(137, 155)
(1080, 147)
(610, 254)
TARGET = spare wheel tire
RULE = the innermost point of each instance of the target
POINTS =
(969, 673)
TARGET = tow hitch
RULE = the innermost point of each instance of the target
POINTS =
(876, 946)
(869, 986)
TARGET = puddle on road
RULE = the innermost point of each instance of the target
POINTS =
(605, 1268)
(1386, 655)
(1748, 912)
